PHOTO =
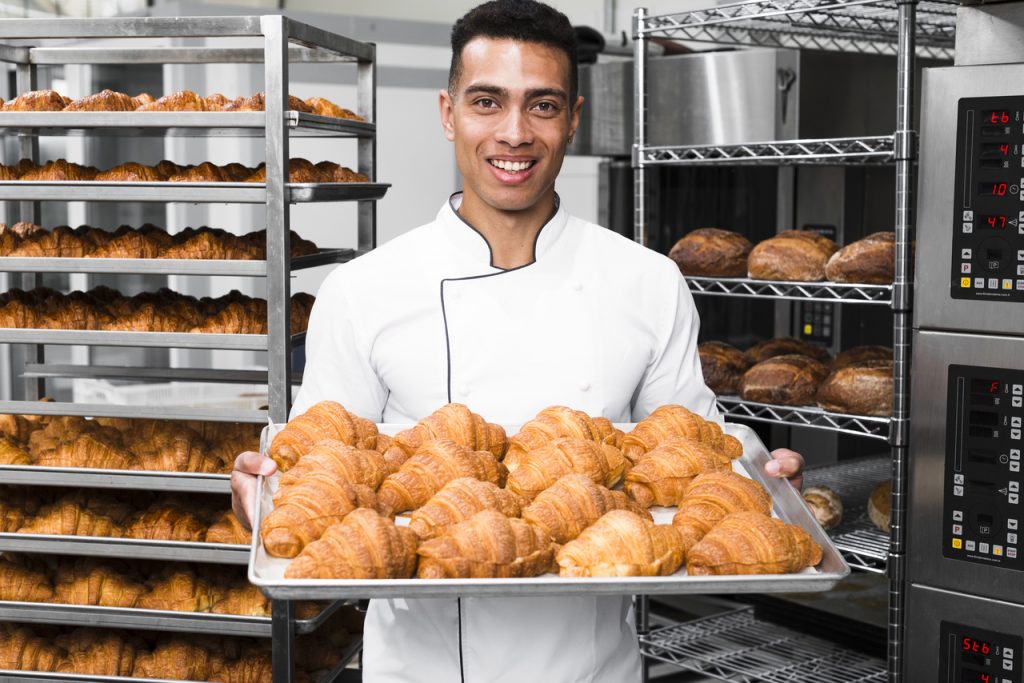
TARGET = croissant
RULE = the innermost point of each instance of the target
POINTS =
(487, 545)
(672, 420)
(359, 466)
(179, 659)
(67, 517)
(11, 453)
(712, 496)
(251, 667)
(663, 473)
(166, 522)
(235, 172)
(302, 306)
(16, 508)
(453, 421)
(246, 600)
(542, 467)
(331, 172)
(180, 590)
(622, 543)
(324, 420)
(142, 99)
(227, 529)
(435, 464)
(167, 168)
(258, 102)
(363, 546)
(23, 583)
(459, 500)
(304, 511)
(204, 244)
(324, 107)
(18, 428)
(235, 318)
(62, 241)
(132, 244)
(22, 650)
(87, 450)
(573, 503)
(96, 653)
(752, 543)
(205, 172)
(60, 169)
(37, 100)
(87, 581)
(174, 450)
(551, 423)
(107, 100)
(183, 100)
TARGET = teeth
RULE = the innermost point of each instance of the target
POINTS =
(511, 166)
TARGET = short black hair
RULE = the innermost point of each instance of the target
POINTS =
(525, 21)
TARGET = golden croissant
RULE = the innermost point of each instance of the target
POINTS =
(227, 529)
(752, 543)
(435, 464)
(97, 653)
(672, 420)
(324, 420)
(11, 452)
(177, 658)
(454, 422)
(17, 507)
(37, 100)
(712, 496)
(359, 466)
(106, 100)
(459, 500)
(21, 649)
(88, 581)
(181, 590)
(663, 473)
(554, 423)
(362, 546)
(166, 522)
(542, 467)
(324, 107)
(571, 504)
(68, 517)
(22, 583)
(305, 510)
(487, 545)
(173, 449)
(87, 450)
(622, 543)
(246, 600)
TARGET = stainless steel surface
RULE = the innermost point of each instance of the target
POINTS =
(229, 193)
(185, 340)
(640, 105)
(737, 646)
(158, 266)
(835, 151)
(44, 370)
(933, 306)
(77, 477)
(267, 572)
(933, 354)
(990, 34)
(130, 548)
(805, 416)
(790, 291)
(142, 412)
(165, 55)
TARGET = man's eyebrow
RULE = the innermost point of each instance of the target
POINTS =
(498, 91)
(557, 93)
(483, 89)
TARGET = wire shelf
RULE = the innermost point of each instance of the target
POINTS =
(805, 416)
(830, 151)
(862, 544)
(737, 646)
(864, 26)
(790, 291)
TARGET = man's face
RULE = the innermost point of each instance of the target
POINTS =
(510, 119)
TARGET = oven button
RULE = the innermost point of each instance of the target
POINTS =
(1020, 270)
(1015, 421)
(966, 253)
(1008, 664)
(1015, 467)
(957, 544)
(1012, 498)
(1014, 454)
(1011, 538)
(968, 545)
(1018, 389)
(1015, 434)
(997, 550)
(993, 283)
(965, 283)
(1016, 401)
(1011, 524)
(1011, 553)
(1015, 486)
(983, 548)
(958, 515)
(968, 228)
(958, 478)
(979, 283)
(958, 530)
(968, 215)
(1007, 284)
(958, 490)
(965, 267)
(1007, 653)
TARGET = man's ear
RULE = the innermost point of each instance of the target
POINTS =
(574, 117)
(446, 106)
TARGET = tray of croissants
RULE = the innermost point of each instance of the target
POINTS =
(564, 504)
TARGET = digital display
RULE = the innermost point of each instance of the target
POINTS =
(984, 418)
(993, 188)
(975, 676)
(995, 150)
(968, 644)
(994, 131)
(992, 222)
(996, 116)
(983, 432)
(985, 386)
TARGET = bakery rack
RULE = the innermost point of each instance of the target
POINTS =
(284, 41)
(905, 29)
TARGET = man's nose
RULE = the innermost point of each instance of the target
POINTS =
(515, 128)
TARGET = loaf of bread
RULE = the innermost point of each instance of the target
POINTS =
(723, 366)
(794, 255)
(858, 354)
(871, 261)
(790, 380)
(880, 506)
(825, 505)
(783, 346)
(712, 252)
(863, 388)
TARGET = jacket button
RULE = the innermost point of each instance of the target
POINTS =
(584, 386)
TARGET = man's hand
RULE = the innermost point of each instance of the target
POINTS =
(784, 463)
(243, 483)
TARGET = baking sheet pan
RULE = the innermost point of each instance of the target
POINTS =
(130, 548)
(267, 572)
(147, 480)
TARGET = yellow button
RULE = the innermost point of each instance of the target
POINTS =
(965, 282)
(957, 543)
(1007, 284)
(808, 329)
(997, 550)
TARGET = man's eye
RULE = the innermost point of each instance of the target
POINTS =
(546, 107)
(486, 103)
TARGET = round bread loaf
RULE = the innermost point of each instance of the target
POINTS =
(858, 354)
(825, 504)
(880, 506)
(796, 255)
(712, 252)
(871, 260)
(863, 388)
(790, 380)
(723, 366)
(781, 346)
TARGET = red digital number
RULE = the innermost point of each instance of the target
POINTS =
(985, 649)
(993, 389)
(999, 117)
(1005, 149)
(984, 678)
(999, 189)
(996, 222)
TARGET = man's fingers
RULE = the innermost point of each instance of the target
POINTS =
(254, 463)
(243, 483)
(786, 463)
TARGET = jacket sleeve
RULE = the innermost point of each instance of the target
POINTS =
(674, 374)
(338, 363)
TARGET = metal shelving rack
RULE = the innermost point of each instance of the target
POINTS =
(284, 41)
(903, 28)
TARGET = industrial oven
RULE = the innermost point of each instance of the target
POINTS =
(964, 601)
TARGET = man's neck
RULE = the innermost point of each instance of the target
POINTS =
(511, 235)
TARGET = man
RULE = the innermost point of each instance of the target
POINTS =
(507, 304)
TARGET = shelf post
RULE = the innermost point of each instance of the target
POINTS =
(639, 126)
(366, 105)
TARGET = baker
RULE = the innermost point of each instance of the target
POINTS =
(507, 303)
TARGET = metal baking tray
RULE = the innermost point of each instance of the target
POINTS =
(183, 340)
(157, 412)
(231, 193)
(164, 266)
(130, 548)
(268, 572)
(145, 480)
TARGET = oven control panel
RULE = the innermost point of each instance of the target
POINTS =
(988, 206)
(982, 502)
(974, 655)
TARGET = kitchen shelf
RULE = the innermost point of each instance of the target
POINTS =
(834, 151)
(155, 412)
(863, 26)
(127, 548)
(863, 545)
(739, 647)
(158, 374)
(138, 480)
(180, 340)
(163, 266)
(805, 416)
(207, 193)
(749, 288)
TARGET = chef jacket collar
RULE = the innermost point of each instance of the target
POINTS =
(468, 239)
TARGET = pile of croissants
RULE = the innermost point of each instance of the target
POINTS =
(183, 100)
(112, 652)
(483, 505)
(124, 444)
(146, 241)
(128, 514)
(164, 310)
(299, 171)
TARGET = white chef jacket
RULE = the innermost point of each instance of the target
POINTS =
(595, 322)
